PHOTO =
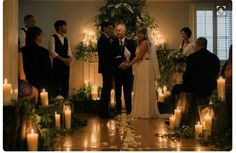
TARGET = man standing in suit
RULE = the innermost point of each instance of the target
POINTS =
(29, 21)
(124, 51)
(106, 68)
(60, 51)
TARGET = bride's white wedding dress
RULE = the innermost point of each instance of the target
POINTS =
(144, 104)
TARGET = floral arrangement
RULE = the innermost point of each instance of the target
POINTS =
(177, 57)
(166, 66)
(131, 13)
(86, 52)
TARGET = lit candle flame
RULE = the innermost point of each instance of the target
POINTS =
(5, 81)
(32, 131)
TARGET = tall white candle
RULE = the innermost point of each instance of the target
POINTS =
(165, 91)
(112, 98)
(177, 114)
(44, 97)
(14, 94)
(6, 92)
(57, 120)
(94, 92)
(221, 88)
(172, 121)
(32, 141)
(161, 97)
(198, 130)
(68, 118)
(208, 125)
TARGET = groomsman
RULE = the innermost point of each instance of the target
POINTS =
(106, 68)
(29, 21)
(124, 51)
(60, 51)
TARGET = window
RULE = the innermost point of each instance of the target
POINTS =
(224, 35)
(217, 29)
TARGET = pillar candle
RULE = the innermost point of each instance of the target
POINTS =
(94, 92)
(161, 97)
(198, 130)
(14, 94)
(221, 88)
(68, 118)
(165, 91)
(172, 121)
(44, 98)
(57, 120)
(177, 115)
(6, 92)
(112, 98)
(208, 125)
(32, 141)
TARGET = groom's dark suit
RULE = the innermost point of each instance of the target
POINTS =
(106, 68)
(123, 77)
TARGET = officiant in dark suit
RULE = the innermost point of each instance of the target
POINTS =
(124, 51)
(105, 67)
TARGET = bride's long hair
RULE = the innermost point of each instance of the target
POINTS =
(143, 31)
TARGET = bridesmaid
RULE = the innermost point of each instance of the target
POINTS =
(187, 47)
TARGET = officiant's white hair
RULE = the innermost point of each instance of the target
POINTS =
(121, 25)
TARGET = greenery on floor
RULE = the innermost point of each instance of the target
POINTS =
(41, 119)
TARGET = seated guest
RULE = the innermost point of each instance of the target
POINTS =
(199, 79)
(37, 64)
(25, 89)
(202, 71)
(186, 46)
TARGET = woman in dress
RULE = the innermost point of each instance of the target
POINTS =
(144, 99)
(187, 47)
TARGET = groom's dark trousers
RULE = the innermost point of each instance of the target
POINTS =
(106, 68)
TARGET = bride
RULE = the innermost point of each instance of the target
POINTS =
(146, 70)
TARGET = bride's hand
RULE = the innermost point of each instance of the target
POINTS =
(124, 65)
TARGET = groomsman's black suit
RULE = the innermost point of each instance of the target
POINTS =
(106, 68)
(123, 77)
(202, 70)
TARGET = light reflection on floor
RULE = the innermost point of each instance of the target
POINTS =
(101, 134)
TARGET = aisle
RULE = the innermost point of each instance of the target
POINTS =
(101, 134)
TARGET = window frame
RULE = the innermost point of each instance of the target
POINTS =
(204, 6)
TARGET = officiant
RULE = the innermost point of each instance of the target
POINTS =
(124, 49)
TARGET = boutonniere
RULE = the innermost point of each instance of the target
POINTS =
(111, 40)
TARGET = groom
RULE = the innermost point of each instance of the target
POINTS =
(124, 51)
(106, 68)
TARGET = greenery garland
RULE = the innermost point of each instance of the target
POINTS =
(131, 13)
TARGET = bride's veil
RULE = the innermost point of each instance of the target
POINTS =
(155, 64)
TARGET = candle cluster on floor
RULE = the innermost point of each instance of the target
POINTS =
(175, 119)
(9, 93)
(162, 93)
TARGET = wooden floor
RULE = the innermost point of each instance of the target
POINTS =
(106, 135)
